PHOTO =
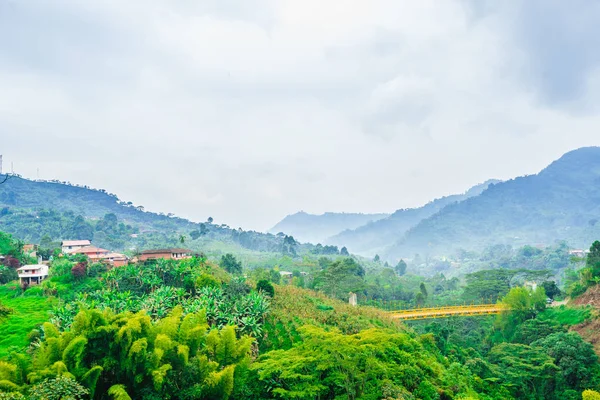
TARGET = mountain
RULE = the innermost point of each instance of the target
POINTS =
(375, 236)
(316, 228)
(32, 210)
(561, 203)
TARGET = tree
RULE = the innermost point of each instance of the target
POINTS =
(419, 299)
(210, 220)
(551, 289)
(575, 358)
(401, 268)
(522, 304)
(423, 290)
(195, 234)
(230, 264)
(182, 239)
(593, 259)
(376, 258)
(265, 287)
(344, 251)
(590, 395)
(340, 277)
(523, 369)
(79, 270)
(327, 364)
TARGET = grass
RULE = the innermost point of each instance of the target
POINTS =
(566, 315)
(29, 311)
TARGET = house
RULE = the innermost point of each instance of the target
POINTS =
(579, 253)
(30, 275)
(30, 249)
(96, 254)
(286, 274)
(167, 254)
(70, 245)
(93, 253)
(532, 285)
(115, 259)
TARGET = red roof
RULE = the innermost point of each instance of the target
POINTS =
(89, 250)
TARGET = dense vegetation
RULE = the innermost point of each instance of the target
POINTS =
(54, 211)
(192, 329)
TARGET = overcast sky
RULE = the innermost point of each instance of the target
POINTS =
(247, 111)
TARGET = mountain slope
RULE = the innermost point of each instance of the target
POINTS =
(376, 236)
(562, 202)
(316, 228)
(31, 209)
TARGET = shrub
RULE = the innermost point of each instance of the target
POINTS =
(265, 287)
(97, 269)
(7, 274)
(590, 395)
(79, 270)
(57, 389)
(207, 280)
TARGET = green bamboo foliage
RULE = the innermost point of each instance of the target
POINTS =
(122, 355)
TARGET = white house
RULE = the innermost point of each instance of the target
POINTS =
(69, 245)
(32, 274)
(286, 274)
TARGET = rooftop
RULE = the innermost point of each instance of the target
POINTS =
(88, 249)
(33, 267)
(76, 243)
(163, 251)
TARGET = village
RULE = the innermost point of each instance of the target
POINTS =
(31, 275)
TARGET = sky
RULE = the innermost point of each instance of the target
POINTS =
(249, 110)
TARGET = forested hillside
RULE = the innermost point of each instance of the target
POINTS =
(562, 202)
(317, 228)
(37, 211)
(375, 236)
(192, 329)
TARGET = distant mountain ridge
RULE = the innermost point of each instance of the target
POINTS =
(562, 202)
(317, 228)
(374, 237)
(29, 209)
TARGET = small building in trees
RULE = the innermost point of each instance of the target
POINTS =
(30, 275)
(286, 274)
(70, 245)
(167, 254)
(97, 254)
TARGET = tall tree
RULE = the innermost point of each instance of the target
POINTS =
(401, 268)
(230, 264)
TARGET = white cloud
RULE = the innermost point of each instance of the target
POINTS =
(249, 110)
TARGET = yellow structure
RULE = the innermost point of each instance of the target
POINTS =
(448, 311)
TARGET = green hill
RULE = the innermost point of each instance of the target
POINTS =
(36, 210)
(562, 202)
(375, 236)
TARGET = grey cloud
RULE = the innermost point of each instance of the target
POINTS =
(249, 110)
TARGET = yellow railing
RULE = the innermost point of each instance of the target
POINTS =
(448, 311)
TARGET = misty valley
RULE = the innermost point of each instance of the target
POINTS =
(488, 294)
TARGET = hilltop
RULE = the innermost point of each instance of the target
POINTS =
(33, 210)
(562, 202)
(375, 236)
(317, 228)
